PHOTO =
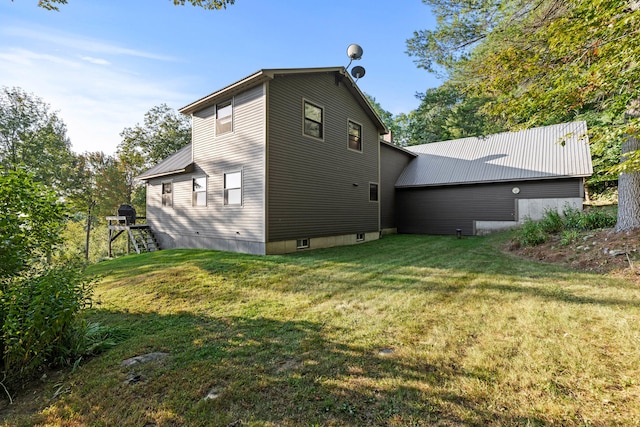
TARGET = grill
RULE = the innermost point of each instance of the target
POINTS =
(129, 212)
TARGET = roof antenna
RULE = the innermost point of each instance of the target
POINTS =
(354, 52)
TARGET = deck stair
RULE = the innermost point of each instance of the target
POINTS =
(142, 239)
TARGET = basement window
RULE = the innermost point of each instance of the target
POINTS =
(302, 243)
(360, 237)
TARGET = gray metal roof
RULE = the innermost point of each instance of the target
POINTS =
(181, 161)
(540, 153)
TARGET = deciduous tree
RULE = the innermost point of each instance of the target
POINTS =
(35, 137)
(546, 62)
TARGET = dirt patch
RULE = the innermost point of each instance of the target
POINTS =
(602, 251)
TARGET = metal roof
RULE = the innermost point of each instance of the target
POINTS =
(181, 161)
(540, 153)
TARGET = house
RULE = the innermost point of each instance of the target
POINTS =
(479, 185)
(290, 159)
(282, 160)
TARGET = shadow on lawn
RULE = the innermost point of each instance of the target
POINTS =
(265, 371)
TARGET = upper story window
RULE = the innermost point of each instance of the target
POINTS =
(233, 188)
(355, 136)
(200, 191)
(224, 117)
(313, 120)
(167, 194)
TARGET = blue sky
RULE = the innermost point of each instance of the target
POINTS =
(103, 64)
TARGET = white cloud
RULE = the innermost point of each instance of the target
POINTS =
(78, 42)
(96, 97)
(97, 61)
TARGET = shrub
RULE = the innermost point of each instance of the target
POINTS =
(599, 218)
(37, 314)
(531, 233)
(552, 222)
(569, 236)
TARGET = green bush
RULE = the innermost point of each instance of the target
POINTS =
(599, 218)
(552, 222)
(569, 236)
(531, 233)
(38, 313)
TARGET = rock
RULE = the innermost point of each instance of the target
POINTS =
(145, 358)
(133, 378)
(617, 253)
(213, 394)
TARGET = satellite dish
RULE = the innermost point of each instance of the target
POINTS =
(354, 51)
(357, 72)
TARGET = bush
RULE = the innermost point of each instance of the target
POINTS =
(599, 218)
(552, 222)
(38, 317)
(531, 233)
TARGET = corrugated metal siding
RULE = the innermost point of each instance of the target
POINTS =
(217, 225)
(311, 191)
(528, 154)
(392, 163)
(441, 210)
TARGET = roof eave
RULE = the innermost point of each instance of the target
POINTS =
(187, 169)
(499, 181)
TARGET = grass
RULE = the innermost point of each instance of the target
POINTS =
(408, 330)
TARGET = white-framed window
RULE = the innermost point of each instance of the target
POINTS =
(167, 194)
(373, 191)
(224, 117)
(302, 243)
(313, 120)
(355, 136)
(199, 185)
(233, 188)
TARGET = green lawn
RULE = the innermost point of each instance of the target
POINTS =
(408, 330)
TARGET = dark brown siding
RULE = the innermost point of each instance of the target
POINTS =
(441, 210)
(318, 188)
(392, 163)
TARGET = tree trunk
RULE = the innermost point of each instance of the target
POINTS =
(629, 183)
(86, 243)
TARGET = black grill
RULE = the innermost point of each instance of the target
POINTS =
(129, 212)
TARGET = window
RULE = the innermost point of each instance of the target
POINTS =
(360, 237)
(200, 191)
(233, 188)
(373, 192)
(167, 194)
(224, 117)
(313, 120)
(355, 136)
(302, 243)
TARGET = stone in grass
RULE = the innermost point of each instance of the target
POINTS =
(213, 394)
(386, 351)
(145, 358)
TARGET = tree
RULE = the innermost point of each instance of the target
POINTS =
(445, 113)
(546, 62)
(394, 124)
(31, 220)
(163, 132)
(205, 4)
(34, 137)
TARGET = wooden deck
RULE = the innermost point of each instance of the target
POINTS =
(140, 236)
